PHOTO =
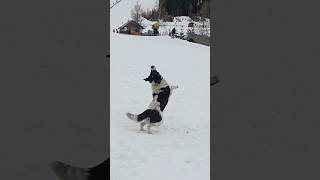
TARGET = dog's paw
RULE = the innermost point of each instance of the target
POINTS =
(149, 131)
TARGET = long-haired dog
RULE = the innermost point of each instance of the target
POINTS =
(161, 91)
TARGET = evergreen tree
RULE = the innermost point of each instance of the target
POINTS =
(186, 7)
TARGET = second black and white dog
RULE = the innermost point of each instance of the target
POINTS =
(161, 91)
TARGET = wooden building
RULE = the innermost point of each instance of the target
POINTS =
(131, 27)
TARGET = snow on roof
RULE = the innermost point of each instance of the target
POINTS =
(131, 21)
(145, 22)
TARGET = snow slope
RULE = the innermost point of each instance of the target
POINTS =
(180, 148)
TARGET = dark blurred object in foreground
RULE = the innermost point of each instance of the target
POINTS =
(214, 80)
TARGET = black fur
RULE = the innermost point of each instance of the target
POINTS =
(163, 97)
(154, 116)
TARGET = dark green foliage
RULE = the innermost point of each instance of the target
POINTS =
(186, 7)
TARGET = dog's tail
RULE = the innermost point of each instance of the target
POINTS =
(173, 87)
(133, 117)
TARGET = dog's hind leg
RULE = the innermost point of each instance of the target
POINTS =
(141, 125)
(149, 128)
(146, 121)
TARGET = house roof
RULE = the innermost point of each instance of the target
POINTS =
(131, 21)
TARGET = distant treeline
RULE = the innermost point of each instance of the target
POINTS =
(185, 8)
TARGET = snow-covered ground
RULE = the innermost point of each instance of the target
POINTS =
(180, 148)
(180, 23)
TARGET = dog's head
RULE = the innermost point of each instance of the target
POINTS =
(154, 76)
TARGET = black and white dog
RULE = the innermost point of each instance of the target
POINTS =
(102, 170)
(161, 91)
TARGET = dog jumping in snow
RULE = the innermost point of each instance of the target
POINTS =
(161, 91)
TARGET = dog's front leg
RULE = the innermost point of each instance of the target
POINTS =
(149, 128)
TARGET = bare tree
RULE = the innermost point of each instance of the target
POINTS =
(136, 13)
(115, 3)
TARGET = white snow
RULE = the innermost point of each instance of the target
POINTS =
(180, 23)
(180, 147)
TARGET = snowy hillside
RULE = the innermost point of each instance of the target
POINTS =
(180, 148)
